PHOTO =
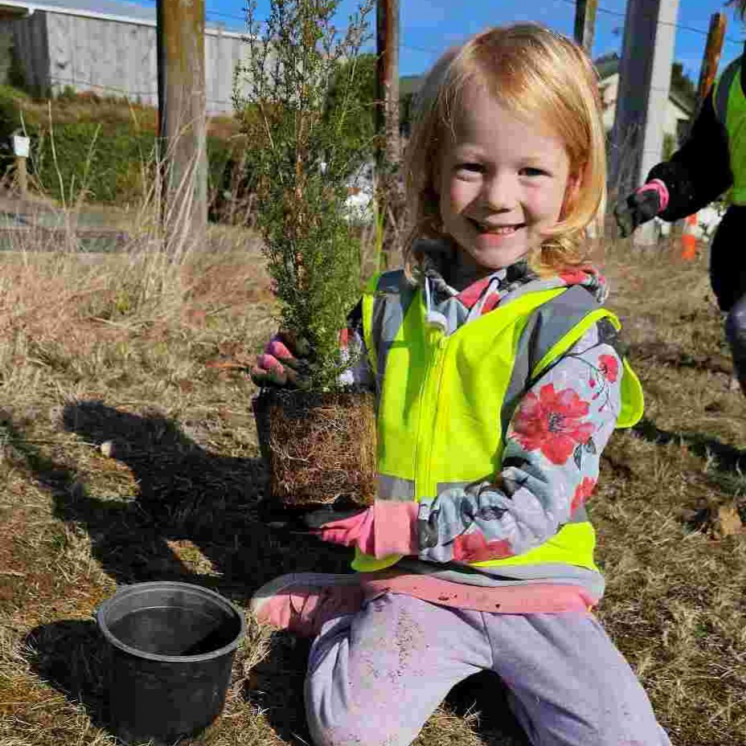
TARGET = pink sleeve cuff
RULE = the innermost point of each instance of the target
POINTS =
(386, 528)
(656, 185)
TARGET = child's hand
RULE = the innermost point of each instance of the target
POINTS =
(282, 363)
(640, 206)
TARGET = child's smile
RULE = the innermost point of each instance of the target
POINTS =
(502, 183)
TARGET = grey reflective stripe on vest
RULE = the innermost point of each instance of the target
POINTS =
(723, 89)
(548, 324)
(388, 317)
(394, 488)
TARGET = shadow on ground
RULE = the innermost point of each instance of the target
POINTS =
(486, 694)
(186, 492)
(727, 458)
(71, 656)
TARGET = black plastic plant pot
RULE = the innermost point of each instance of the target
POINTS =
(172, 647)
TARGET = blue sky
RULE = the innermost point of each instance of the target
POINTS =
(428, 27)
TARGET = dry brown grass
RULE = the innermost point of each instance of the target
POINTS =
(123, 349)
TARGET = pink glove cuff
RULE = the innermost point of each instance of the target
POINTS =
(386, 528)
(395, 528)
(656, 185)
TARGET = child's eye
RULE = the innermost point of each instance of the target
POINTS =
(470, 168)
(532, 171)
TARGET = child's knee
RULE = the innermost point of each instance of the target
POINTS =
(350, 728)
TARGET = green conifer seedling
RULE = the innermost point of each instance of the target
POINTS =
(296, 95)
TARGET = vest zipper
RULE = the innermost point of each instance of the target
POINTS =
(426, 425)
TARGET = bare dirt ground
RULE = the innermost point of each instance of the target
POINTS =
(148, 355)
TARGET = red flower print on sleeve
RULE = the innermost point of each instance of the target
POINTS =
(582, 492)
(473, 547)
(609, 367)
(552, 422)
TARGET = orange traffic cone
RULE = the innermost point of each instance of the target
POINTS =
(689, 238)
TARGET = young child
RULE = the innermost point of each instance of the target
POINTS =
(500, 379)
(711, 161)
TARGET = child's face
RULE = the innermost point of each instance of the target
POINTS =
(502, 183)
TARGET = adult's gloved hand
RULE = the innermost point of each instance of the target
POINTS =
(641, 206)
(284, 363)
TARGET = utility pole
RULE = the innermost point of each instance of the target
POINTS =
(585, 23)
(711, 58)
(389, 196)
(585, 28)
(181, 120)
(644, 84)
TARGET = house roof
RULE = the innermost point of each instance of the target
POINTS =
(113, 10)
(608, 65)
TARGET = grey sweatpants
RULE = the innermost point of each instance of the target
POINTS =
(375, 677)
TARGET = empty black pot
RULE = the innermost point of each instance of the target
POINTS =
(172, 646)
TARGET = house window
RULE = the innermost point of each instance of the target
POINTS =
(682, 130)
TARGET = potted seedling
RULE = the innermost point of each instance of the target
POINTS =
(297, 97)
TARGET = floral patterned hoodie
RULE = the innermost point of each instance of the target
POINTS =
(551, 459)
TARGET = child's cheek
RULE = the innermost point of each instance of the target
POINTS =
(454, 192)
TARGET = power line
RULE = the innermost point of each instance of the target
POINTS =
(420, 49)
(681, 26)
(210, 12)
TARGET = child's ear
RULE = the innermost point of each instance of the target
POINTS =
(572, 190)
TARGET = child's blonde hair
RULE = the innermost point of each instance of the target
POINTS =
(538, 75)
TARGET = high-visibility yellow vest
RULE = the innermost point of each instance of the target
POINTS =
(730, 108)
(445, 401)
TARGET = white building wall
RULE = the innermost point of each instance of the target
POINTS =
(116, 57)
(674, 115)
(223, 51)
(31, 46)
(609, 89)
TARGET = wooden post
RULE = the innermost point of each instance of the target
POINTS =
(21, 145)
(585, 23)
(21, 176)
(711, 58)
(644, 83)
(585, 27)
(389, 196)
(181, 118)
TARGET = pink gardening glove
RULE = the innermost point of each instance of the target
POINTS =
(282, 363)
(641, 206)
(385, 528)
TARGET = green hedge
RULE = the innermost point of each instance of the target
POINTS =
(113, 166)
(113, 161)
(108, 165)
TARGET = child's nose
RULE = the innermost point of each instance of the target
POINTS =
(500, 191)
